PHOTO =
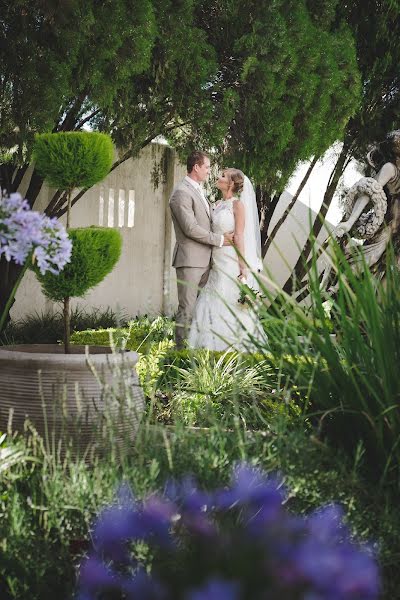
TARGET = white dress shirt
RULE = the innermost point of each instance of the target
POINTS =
(199, 188)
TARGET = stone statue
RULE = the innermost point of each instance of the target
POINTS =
(372, 207)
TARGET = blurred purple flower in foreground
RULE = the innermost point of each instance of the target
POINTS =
(237, 543)
(24, 232)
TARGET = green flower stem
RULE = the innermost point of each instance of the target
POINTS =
(10, 300)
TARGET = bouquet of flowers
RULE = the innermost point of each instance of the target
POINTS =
(236, 543)
(248, 296)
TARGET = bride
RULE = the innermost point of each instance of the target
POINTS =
(219, 321)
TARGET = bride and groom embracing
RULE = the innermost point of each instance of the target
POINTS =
(215, 246)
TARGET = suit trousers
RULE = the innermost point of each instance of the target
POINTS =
(190, 280)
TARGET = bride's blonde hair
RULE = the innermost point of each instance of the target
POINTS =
(237, 177)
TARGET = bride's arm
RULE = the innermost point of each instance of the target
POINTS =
(238, 238)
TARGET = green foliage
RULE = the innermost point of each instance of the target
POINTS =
(350, 379)
(55, 71)
(73, 159)
(295, 80)
(48, 505)
(47, 327)
(150, 366)
(95, 252)
(198, 386)
(208, 389)
(269, 84)
(139, 335)
(373, 25)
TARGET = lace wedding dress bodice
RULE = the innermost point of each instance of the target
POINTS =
(219, 321)
(224, 259)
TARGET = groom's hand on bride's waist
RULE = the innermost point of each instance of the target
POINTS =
(228, 239)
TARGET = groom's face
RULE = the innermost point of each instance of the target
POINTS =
(203, 171)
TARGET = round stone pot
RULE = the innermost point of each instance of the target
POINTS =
(87, 397)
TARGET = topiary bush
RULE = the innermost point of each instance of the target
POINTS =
(68, 160)
(73, 158)
(95, 252)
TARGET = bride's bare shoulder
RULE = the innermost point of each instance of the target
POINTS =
(238, 208)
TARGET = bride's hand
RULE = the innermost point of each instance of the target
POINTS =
(243, 276)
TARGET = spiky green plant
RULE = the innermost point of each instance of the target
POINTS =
(346, 365)
(210, 388)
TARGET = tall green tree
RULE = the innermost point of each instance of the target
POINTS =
(291, 67)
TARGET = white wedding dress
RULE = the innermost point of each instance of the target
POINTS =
(220, 322)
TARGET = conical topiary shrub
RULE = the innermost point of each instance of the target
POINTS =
(72, 159)
(67, 161)
(95, 252)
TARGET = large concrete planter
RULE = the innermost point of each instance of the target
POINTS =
(78, 396)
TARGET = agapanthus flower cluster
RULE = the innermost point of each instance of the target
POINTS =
(236, 543)
(25, 233)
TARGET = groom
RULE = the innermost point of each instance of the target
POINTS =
(191, 215)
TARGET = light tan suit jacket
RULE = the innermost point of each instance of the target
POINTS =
(192, 223)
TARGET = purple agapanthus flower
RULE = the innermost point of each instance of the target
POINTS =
(215, 589)
(25, 233)
(236, 543)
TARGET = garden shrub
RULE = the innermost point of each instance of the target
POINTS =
(139, 335)
(199, 386)
(95, 252)
(46, 327)
(73, 158)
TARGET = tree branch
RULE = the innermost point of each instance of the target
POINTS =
(34, 188)
(16, 181)
(280, 221)
(52, 205)
(70, 117)
(86, 119)
(300, 268)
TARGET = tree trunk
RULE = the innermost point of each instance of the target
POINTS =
(280, 222)
(6, 171)
(35, 185)
(9, 274)
(67, 325)
(294, 282)
(266, 203)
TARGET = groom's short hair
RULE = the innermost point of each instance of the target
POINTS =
(195, 158)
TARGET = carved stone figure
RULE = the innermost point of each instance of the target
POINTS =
(372, 207)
